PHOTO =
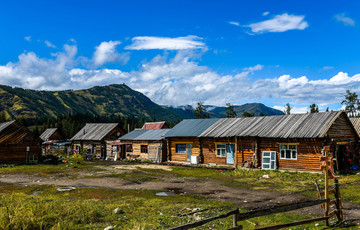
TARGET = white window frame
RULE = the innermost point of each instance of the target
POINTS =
(283, 156)
(269, 164)
(223, 150)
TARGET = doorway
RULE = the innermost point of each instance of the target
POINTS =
(230, 150)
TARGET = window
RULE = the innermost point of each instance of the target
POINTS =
(180, 148)
(221, 150)
(269, 160)
(288, 152)
(129, 148)
(144, 148)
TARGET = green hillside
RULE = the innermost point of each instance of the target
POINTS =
(255, 108)
(118, 100)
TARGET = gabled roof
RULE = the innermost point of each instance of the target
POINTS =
(12, 132)
(145, 135)
(356, 123)
(47, 133)
(94, 131)
(309, 125)
(191, 127)
(155, 125)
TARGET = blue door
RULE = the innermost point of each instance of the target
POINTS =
(230, 150)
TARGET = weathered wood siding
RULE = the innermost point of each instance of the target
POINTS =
(16, 153)
(174, 156)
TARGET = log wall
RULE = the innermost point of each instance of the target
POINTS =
(174, 156)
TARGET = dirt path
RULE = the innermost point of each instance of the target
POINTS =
(249, 199)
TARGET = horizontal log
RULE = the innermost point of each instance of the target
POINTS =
(279, 209)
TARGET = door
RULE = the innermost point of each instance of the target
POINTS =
(230, 150)
(269, 160)
(188, 152)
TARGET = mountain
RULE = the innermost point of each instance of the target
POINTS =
(119, 100)
(255, 108)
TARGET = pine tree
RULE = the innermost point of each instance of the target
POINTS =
(230, 111)
(200, 111)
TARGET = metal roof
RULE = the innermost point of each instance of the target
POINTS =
(356, 123)
(154, 125)
(145, 135)
(47, 133)
(309, 125)
(4, 125)
(94, 131)
(191, 127)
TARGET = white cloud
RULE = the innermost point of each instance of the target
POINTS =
(177, 80)
(165, 43)
(280, 23)
(49, 44)
(234, 23)
(106, 52)
(347, 21)
(328, 67)
(265, 13)
(27, 38)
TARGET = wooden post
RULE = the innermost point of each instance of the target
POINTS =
(338, 203)
(326, 192)
(235, 153)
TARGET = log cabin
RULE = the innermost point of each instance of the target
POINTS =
(49, 137)
(18, 145)
(93, 137)
(155, 125)
(145, 144)
(284, 142)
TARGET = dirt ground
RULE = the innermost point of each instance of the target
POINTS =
(168, 182)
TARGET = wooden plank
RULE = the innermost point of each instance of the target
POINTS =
(204, 221)
(279, 209)
(329, 192)
(293, 223)
(332, 213)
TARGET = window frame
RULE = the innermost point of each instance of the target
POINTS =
(126, 148)
(176, 147)
(145, 147)
(217, 148)
(283, 156)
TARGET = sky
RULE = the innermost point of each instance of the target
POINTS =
(181, 52)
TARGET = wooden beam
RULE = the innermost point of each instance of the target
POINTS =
(279, 209)
(293, 223)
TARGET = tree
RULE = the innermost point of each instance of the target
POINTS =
(314, 108)
(200, 111)
(351, 102)
(247, 114)
(288, 108)
(327, 109)
(261, 114)
(230, 111)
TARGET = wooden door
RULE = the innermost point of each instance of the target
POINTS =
(188, 152)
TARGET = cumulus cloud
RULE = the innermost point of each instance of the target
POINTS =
(347, 21)
(280, 23)
(234, 23)
(165, 43)
(49, 44)
(106, 52)
(27, 38)
(177, 80)
(265, 13)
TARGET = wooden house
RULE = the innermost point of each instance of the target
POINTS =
(291, 142)
(145, 144)
(49, 137)
(155, 125)
(93, 137)
(183, 141)
(18, 145)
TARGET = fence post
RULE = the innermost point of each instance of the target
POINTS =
(235, 217)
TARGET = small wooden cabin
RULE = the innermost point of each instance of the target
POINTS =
(18, 145)
(291, 142)
(183, 141)
(155, 125)
(145, 144)
(51, 134)
(93, 138)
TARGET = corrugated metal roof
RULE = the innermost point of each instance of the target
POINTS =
(154, 125)
(309, 125)
(146, 135)
(47, 133)
(356, 123)
(94, 131)
(4, 125)
(191, 127)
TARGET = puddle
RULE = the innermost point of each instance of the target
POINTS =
(37, 192)
(177, 191)
(65, 189)
(165, 194)
(212, 192)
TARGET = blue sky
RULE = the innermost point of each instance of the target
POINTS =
(180, 52)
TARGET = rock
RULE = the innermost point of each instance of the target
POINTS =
(65, 189)
(109, 228)
(118, 211)
(266, 176)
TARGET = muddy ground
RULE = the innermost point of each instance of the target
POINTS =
(111, 177)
